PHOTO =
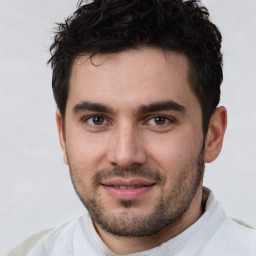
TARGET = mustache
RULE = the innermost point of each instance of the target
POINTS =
(130, 172)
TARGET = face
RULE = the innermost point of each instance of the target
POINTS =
(133, 140)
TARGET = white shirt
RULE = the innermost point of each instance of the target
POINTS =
(213, 234)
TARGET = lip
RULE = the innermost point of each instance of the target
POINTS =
(127, 189)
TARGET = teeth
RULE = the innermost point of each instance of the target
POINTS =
(128, 187)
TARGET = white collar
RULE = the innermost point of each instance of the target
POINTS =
(189, 242)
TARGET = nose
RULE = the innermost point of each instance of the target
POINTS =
(127, 147)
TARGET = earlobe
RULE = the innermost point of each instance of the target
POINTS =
(215, 134)
(61, 133)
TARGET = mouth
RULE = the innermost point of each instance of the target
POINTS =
(127, 189)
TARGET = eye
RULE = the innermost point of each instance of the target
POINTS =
(159, 120)
(96, 120)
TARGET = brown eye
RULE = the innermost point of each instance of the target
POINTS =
(159, 120)
(96, 120)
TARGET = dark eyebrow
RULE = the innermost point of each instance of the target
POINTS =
(96, 107)
(161, 106)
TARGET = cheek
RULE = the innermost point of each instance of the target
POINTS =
(84, 151)
(172, 153)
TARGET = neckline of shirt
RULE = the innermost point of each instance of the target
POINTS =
(191, 241)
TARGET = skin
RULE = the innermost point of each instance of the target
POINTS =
(116, 134)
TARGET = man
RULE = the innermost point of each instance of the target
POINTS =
(137, 85)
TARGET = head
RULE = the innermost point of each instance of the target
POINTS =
(105, 26)
(136, 85)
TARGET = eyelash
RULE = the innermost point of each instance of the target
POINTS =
(166, 119)
(86, 120)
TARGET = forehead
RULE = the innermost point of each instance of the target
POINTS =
(131, 78)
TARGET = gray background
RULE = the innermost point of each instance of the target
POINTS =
(36, 192)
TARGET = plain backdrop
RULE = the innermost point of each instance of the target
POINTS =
(35, 189)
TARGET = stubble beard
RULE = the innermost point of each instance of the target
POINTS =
(168, 209)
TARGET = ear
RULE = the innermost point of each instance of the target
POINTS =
(215, 134)
(61, 133)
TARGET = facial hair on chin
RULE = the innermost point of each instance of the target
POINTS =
(168, 208)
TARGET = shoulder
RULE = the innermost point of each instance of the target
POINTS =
(239, 231)
(73, 238)
(46, 239)
(24, 248)
(232, 239)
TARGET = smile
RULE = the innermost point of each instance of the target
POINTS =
(127, 189)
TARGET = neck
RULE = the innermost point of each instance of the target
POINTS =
(128, 245)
